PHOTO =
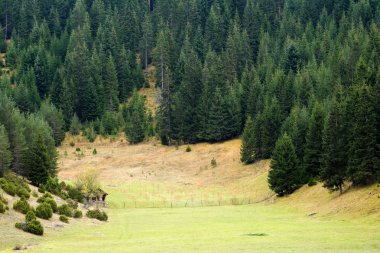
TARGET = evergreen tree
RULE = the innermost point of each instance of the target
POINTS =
(247, 150)
(136, 121)
(111, 85)
(362, 136)
(5, 153)
(54, 118)
(313, 145)
(271, 120)
(37, 161)
(334, 158)
(285, 174)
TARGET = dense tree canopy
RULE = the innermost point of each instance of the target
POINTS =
(305, 68)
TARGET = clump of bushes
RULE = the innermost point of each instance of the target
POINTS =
(71, 203)
(23, 193)
(97, 214)
(52, 204)
(2, 207)
(13, 185)
(22, 206)
(35, 194)
(31, 224)
(44, 211)
(78, 214)
(65, 210)
(44, 197)
(8, 187)
(75, 193)
(64, 219)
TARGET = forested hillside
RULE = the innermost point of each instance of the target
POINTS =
(300, 79)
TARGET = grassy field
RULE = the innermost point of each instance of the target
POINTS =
(249, 228)
(162, 199)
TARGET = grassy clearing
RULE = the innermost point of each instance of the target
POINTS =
(250, 228)
(154, 178)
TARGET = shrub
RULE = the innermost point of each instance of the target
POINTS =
(33, 227)
(9, 188)
(188, 149)
(94, 152)
(41, 190)
(97, 214)
(52, 185)
(63, 195)
(52, 204)
(72, 203)
(35, 194)
(65, 210)
(2, 199)
(75, 193)
(72, 144)
(64, 219)
(78, 214)
(2, 207)
(77, 149)
(213, 163)
(44, 197)
(22, 206)
(23, 193)
(30, 216)
(44, 211)
(312, 182)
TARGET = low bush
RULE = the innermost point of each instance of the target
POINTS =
(77, 149)
(52, 204)
(188, 149)
(97, 214)
(44, 211)
(2, 199)
(72, 144)
(64, 219)
(30, 216)
(41, 190)
(94, 152)
(33, 227)
(23, 193)
(44, 197)
(9, 188)
(52, 185)
(35, 194)
(213, 163)
(2, 207)
(78, 214)
(22, 206)
(312, 182)
(63, 195)
(65, 210)
(75, 193)
(72, 203)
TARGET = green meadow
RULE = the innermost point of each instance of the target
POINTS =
(244, 228)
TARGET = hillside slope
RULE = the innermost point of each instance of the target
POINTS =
(150, 175)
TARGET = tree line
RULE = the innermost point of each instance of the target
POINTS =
(290, 75)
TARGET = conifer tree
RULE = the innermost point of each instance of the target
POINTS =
(136, 121)
(285, 174)
(334, 158)
(247, 150)
(37, 161)
(111, 85)
(313, 145)
(362, 136)
(271, 118)
(5, 153)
